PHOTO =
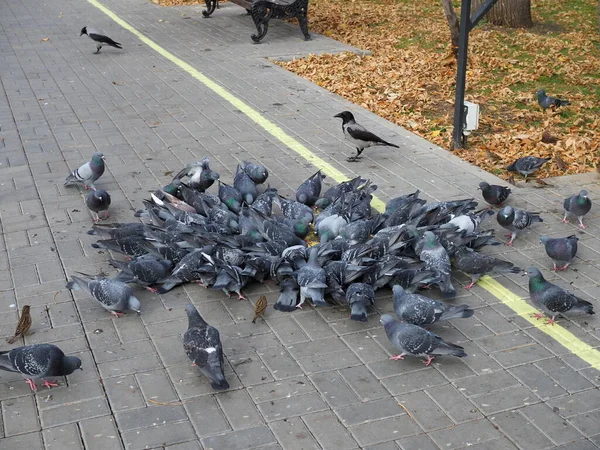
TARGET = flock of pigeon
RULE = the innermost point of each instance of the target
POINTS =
(239, 235)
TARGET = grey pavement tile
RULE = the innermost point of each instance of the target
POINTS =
(378, 431)
(62, 437)
(520, 431)
(328, 431)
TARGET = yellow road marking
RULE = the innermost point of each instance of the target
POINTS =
(517, 304)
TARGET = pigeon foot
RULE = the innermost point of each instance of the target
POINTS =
(397, 357)
(151, 289)
(582, 226)
(50, 384)
(538, 316)
(551, 321)
(564, 221)
(470, 285)
(31, 384)
(117, 313)
(428, 361)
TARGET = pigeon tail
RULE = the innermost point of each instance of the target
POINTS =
(457, 312)
(5, 363)
(447, 348)
(585, 306)
(359, 312)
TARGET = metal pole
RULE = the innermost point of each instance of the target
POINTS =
(461, 73)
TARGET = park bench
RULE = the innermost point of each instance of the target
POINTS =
(264, 10)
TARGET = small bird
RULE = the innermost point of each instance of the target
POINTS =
(39, 361)
(88, 173)
(201, 176)
(527, 165)
(358, 135)
(98, 200)
(114, 295)
(578, 205)
(100, 38)
(413, 340)
(260, 308)
(359, 296)
(552, 299)
(561, 250)
(23, 325)
(202, 345)
(494, 194)
(545, 101)
(515, 220)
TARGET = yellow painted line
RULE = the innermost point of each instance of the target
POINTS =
(517, 304)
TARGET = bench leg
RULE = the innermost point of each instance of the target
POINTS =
(303, 22)
(210, 7)
(261, 16)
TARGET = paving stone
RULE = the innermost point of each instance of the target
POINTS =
(156, 386)
(280, 389)
(280, 363)
(59, 438)
(453, 403)
(483, 384)
(414, 381)
(239, 410)
(384, 430)
(241, 440)
(550, 423)
(424, 411)
(161, 435)
(538, 382)
(497, 444)
(579, 403)
(364, 412)
(419, 442)
(503, 400)
(363, 383)
(293, 434)
(291, 406)
(100, 433)
(330, 361)
(30, 441)
(19, 416)
(586, 423)
(465, 435)
(520, 431)
(250, 369)
(73, 412)
(328, 431)
(206, 416)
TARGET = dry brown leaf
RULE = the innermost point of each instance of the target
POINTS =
(44, 39)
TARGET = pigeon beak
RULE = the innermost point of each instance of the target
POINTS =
(81, 368)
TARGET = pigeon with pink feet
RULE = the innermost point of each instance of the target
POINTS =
(88, 173)
(477, 264)
(515, 220)
(39, 361)
(144, 270)
(414, 340)
(98, 202)
(577, 205)
(561, 250)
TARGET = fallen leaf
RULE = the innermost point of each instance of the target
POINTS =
(44, 39)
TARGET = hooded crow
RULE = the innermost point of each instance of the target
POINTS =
(100, 38)
(359, 135)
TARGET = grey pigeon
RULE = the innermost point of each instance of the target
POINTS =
(477, 264)
(244, 184)
(201, 176)
(527, 165)
(312, 280)
(329, 228)
(577, 205)
(516, 220)
(413, 340)
(357, 232)
(552, 299)
(144, 270)
(494, 194)
(257, 172)
(98, 200)
(294, 210)
(358, 135)
(288, 296)
(545, 101)
(114, 295)
(561, 250)
(100, 38)
(309, 191)
(468, 222)
(39, 361)
(88, 173)
(264, 202)
(358, 297)
(436, 258)
(231, 197)
(420, 310)
(202, 345)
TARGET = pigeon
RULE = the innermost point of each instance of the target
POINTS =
(100, 39)
(515, 220)
(577, 205)
(477, 264)
(413, 340)
(312, 280)
(202, 345)
(244, 184)
(144, 270)
(527, 165)
(494, 194)
(552, 299)
(264, 202)
(420, 310)
(359, 136)
(256, 172)
(468, 222)
(359, 296)
(23, 325)
(561, 250)
(231, 197)
(309, 191)
(39, 361)
(436, 258)
(98, 200)
(114, 295)
(201, 176)
(88, 173)
(288, 296)
(546, 101)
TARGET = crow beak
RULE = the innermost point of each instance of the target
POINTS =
(524, 273)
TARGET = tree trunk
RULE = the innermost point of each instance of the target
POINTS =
(508, 13)
(453, 24)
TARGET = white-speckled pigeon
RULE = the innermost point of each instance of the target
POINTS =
(494, 194)
(312, 280)
(515, 220)
(88, 173)
(202, 345)
(201, 176)
(39, 361)
(144, 270)
(527, 165)
(114, 295)
(577, 205)
(552, 299)
(413, 340)
(561, 250)
(98, 200)
(309, 191)
(359, 296)
(420, 310)
(477, 264)
(436, 258)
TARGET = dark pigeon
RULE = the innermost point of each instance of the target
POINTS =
(477, 264)
(114, 295)
(358, 297)
(546, 101)
(256, 172)
(516, 220)
(39, 361)
(561, 250)
(577, 205)
(527, 165)
(231, 197)
(359, 136)
(88, 173)
(97, 201)
(201, 176)
(436, 258)
(413, 340)
(552, 299)
(264, 202)
(288, 297)
(100, 38)
(309, 191)
(144, 270)
(312, 280)
(202, 345)
(494, 194)
(244, 184)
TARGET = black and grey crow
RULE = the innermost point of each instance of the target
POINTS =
(100, 39)
(359, 135)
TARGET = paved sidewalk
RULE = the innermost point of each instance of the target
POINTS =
(311, 379)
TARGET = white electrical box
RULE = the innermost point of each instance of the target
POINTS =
(471, 117)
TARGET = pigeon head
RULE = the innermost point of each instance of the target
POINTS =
(544, 239)
(83, 31)
(540, 93)
(385, 319)
(398, 291)
(583, 193)
(70, 364)
(346, 116)
(483, 186)
(322, 203)
(134, 304)
(506, 214)
(429, 239)
(98, 158)
(194, 317)
(533, 272)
